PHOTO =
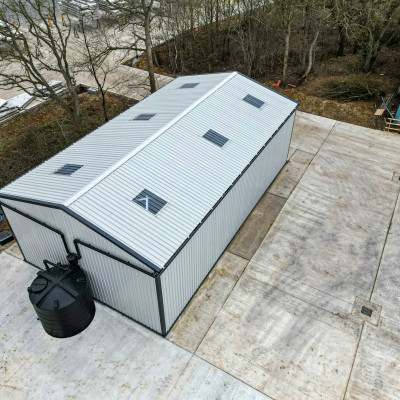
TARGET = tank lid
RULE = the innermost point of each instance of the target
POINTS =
(57, 287)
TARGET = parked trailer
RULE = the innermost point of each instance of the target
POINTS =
(150, 200)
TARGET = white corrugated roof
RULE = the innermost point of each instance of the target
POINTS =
(167, 156)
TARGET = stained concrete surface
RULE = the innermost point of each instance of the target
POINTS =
(253, 231)
(310, 132)
(291, 174)
(196, 320)
(376, 372)
(202, 380)
(283, 346)
(114, 358)
(288, 328)
(273, 319)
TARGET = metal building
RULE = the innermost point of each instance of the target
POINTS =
(150, 200)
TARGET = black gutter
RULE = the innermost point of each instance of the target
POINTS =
(224, 195)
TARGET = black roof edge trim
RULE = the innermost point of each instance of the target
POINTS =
(78, 242)
(226, 192)
(266, 87)
(50, 228)
(84, 222)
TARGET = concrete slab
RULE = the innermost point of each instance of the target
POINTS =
(202, 380)
(387, 286)
(310, 131)
(291, 174)
(367, 311)
(280, 345)
(291, 151)
(198, 316)
(113, 358)
(330, 234)
(366, 144)
(14, 251)
(257, 225)
(376, 371)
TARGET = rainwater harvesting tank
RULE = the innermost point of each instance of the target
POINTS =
(62, 298)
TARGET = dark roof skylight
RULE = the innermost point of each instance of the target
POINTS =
(68, 169)
(253, 101)
(149, 201)
(215, 138)
(144, 117)
(188, 85)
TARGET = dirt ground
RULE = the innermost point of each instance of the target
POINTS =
(34, 136)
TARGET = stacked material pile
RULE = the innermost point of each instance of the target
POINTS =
(14, 105)
(80, 9)
(57, 86)
(108, 5)
(6, 29)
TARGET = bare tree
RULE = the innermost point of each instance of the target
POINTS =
(139, 14)
(36, 49)
(370, 25)
(317, 14)
(286, 12)
(96, 51)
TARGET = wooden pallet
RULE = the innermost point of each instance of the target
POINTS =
(392, 125)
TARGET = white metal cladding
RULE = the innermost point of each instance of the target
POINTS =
(39, 243)
(106, 146)
(122, 287)
(69, 226)
(187, 171)
(192, 264)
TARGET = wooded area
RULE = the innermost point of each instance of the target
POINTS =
(260, 37)
(271, 41)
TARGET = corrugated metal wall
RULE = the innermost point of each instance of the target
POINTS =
(114, 283)
(33, 235)
(186, 272)
(122, 287)
(72, 229)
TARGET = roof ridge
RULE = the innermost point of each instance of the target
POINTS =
(148, 141)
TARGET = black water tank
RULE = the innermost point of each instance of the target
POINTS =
(62, 299)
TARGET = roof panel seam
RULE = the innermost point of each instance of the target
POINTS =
(109, 171)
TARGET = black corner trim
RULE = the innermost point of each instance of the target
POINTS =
(78, 242)
(84, 222)
(160, 305)
(40, 223)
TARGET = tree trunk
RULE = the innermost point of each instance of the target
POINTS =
(369, 60)
(286, 56)
(149, 51)
(310, 57)
(76, 113)
(103, 103)
(341, 42)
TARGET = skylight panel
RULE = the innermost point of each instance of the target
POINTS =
(215, 137)
(149, 201)
(188, 86)
(144, 117)
(68, 169)
(253, 101)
